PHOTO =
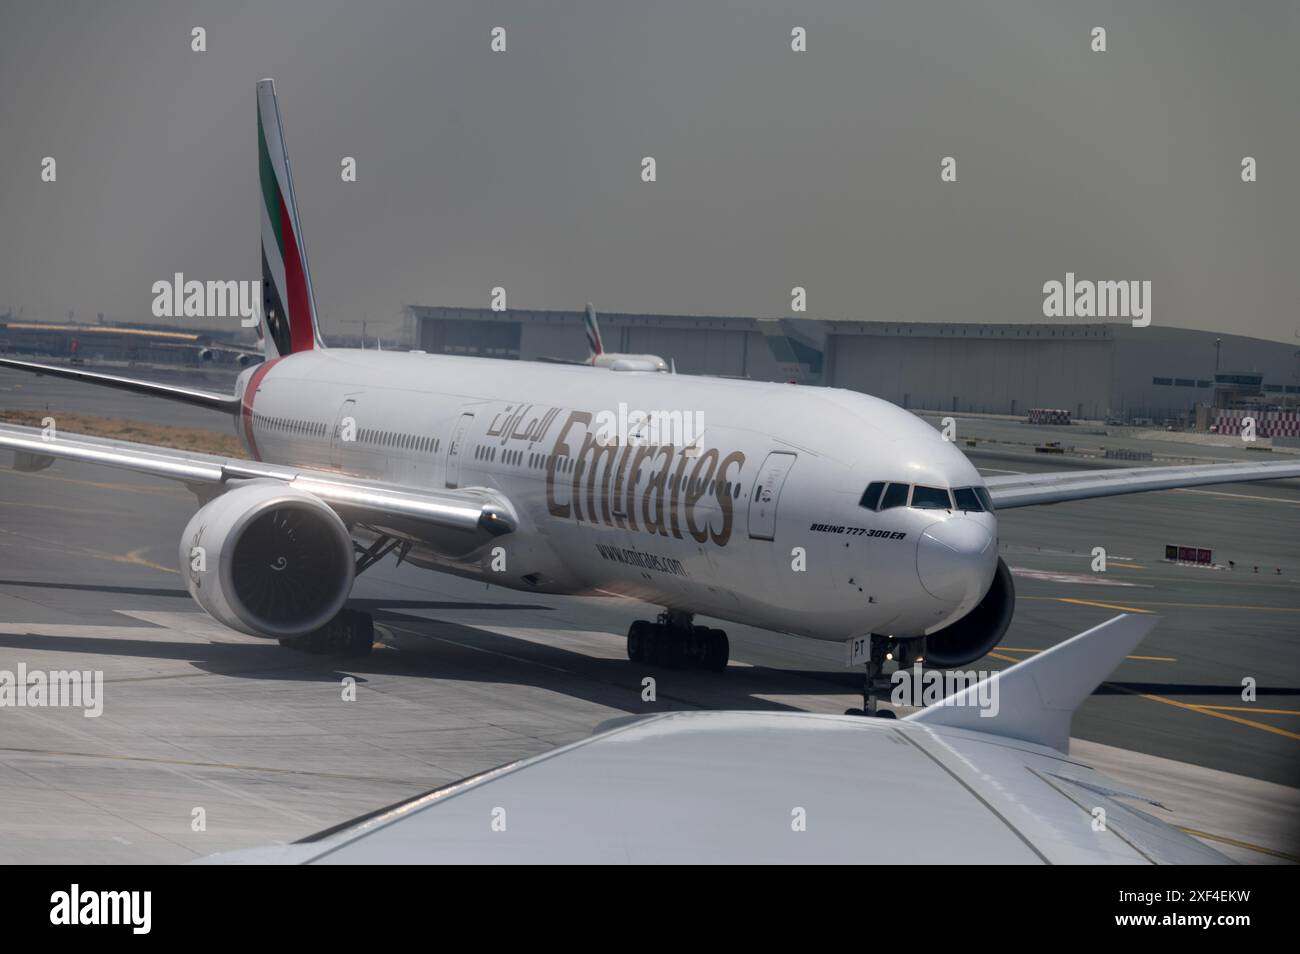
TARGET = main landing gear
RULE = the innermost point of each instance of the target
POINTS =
(876, 683)
(350, 633)
(675, 642)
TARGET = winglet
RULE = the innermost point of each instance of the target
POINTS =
(1034, 700)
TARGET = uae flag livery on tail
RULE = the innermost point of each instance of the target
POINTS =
(593, 332)
(288, 306)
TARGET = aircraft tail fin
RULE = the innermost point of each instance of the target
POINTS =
(289, 320)
(1035, 700)
(593, 332)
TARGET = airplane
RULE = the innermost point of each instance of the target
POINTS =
(818, 512)
(613, 360)
(239, 355)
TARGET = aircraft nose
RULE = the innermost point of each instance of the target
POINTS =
(954, 559)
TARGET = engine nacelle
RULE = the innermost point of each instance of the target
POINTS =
(972, 636)
(268, 560)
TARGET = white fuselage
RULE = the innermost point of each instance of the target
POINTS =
(759, 522)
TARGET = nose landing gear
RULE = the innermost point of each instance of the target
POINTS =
(674, 641)
(876, 684)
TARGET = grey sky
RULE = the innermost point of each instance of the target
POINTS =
(775, 168)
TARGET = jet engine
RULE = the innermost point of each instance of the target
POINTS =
(978, 631)
(268, 560)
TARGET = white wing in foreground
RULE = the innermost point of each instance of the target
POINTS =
(1026, 490)
(947, 786)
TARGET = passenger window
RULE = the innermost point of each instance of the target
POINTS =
(967, 499)
(895, 496)
(931, 498)
(871, 496)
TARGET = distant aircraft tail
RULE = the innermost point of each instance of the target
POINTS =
(593, 332)
(288, 306)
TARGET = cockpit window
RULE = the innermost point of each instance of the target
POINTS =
(931, 498)
(968, 499)
(871, 496)
(895, 496)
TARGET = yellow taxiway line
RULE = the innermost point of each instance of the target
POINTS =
(1125, 609)
(1013, 649)
(1203, 710)
(1219, 712)
(1134, 609)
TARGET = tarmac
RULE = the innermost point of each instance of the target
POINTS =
(211, 741)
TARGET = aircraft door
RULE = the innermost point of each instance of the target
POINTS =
(456, 449)
(767, 493)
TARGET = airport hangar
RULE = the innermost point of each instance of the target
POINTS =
(1095, 371)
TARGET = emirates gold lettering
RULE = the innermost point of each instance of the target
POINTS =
(605, 485)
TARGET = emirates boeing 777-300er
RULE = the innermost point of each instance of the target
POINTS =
(818, 512)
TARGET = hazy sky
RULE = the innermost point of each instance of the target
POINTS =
(775, 168)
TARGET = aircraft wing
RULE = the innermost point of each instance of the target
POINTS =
(945, 786)
(450, 520)
(1026, 490)
(215, 402)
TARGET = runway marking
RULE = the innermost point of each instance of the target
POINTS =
(1134, 609)
(165, 490)
(131, 556)
(1191, 707)
(1012, 649)
(1219, 580)
(1224, 493)
(1059, 576)
(1260, 609)
(192, 763)
(1126, 609)
(26, 505)
(1224, 839)
(1293, 712)
(1127, 566)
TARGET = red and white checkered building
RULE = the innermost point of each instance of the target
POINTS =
(1267, 423)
